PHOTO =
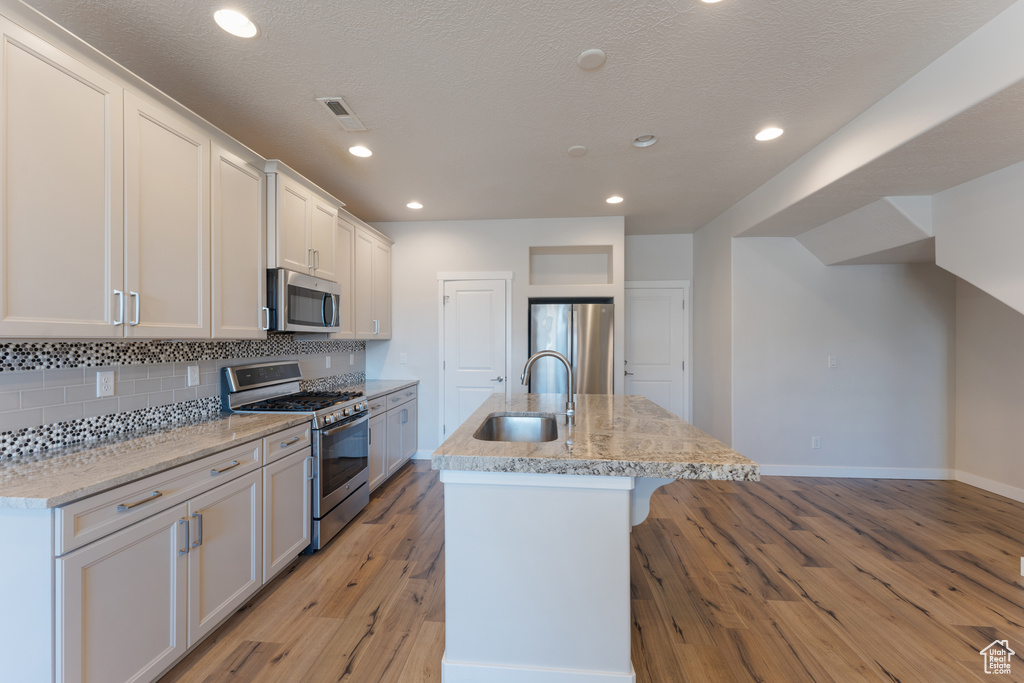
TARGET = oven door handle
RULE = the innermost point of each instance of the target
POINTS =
(341, 428)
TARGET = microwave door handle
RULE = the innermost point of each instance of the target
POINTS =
(323, 309)
(334, 309)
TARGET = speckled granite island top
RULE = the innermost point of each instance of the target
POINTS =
(627, 436)
(60, 476)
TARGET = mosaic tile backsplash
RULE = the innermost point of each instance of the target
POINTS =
(48, 389)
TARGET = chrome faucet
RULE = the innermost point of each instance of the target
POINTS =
(570, 403)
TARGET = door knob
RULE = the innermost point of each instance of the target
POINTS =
(628, 373)
(498, 379)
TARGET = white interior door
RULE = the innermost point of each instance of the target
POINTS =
(657, 340)
(474, 347)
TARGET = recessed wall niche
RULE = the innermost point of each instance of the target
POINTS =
(571, 265)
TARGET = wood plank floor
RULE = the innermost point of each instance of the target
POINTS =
(786, 580)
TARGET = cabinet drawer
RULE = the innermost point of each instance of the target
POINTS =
(91, 518)
(397, 398)
(287, 442)
(378, 405)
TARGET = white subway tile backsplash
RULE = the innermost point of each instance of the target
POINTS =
(62, 377)
(36, 398)
(21, 419)
(161, 370)
(127, 404)
(185, 395)
(146, 386)
(207, 390)
(17, 381)
(107, 406)
(10, 401)
(175, 382)
(87, 392)
(161, 398)
(132, 372)
(62, 413)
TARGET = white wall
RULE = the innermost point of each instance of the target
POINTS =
(989, 392)
(712, 328)
(659, 257)
(423, 249)
(889, 403)
(978, 234)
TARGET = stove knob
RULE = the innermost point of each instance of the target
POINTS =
(346, 412)
(328, 419)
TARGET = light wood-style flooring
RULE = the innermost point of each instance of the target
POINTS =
(786, 580)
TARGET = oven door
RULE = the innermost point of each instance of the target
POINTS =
(342, 454)
(303, 303)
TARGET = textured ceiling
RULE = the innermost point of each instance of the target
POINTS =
(471, 105)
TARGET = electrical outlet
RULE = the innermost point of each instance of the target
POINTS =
(815, 442)
(328, 362)
(833, 362)
(351, 359)
(402, 359)
(104, 384)
(193, 375)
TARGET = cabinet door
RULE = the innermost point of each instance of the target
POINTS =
(343, 262)
(287, 510)
(121, 602)
(225, 559)
(394, 445)
(410, 432)
(378, 430)
(363, 290)
(294, 212)
(382, 289)
(325, 230)
(61, 207)
(238, 278)
(167, 223)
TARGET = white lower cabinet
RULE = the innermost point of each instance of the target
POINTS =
(378, 431)
(393, 433)
(225, 556)
(401, 435)
(287, 516)
(120, 602)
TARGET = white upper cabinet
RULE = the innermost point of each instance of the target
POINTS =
(300, 224)
(344, 263)
(61, 199)
(167, 223)
(372, 285)
(238, 256)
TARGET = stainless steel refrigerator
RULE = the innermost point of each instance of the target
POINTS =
(583, 333)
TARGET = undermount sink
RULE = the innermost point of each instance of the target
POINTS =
(522, 427)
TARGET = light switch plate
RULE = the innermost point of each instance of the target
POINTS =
(104, 384)
(328, 362)
(403, 359)
(193, 375)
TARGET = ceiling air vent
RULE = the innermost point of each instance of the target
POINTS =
(342, 113)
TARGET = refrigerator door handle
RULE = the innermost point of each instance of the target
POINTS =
(574, 335)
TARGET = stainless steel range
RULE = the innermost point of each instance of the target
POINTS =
(340, 436)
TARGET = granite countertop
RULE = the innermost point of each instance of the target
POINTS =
(627, 436)
(59, 476)
(378, 387)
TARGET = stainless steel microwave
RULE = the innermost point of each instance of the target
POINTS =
(302, 303)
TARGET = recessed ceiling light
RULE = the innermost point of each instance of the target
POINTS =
(710, 2)
(414, 205)
(645, 140)
(614, 199)
(591, 59)
(235, 23)
(768, 134)
(360, 151)
(577, 151)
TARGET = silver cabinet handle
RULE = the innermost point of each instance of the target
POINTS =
(137, 307)
(233, 465)
(316, 259)
(396, 399)
(266, 318)
(120, 307)
(182, 544)
(128, 506)
(405, 416)
(198, 516)
(496, 379)
(375, 406)
(286, 444)
(309, 259)
(376, 327)
(312, 465)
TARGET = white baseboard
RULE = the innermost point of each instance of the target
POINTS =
(422, 455)
(997, 487)
(857, 472)
(470, 672)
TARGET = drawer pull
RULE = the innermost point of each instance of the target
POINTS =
(128, 506)
(233, 465)
(396, 399)
(286, 444)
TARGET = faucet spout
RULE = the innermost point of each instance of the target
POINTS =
(570, 400)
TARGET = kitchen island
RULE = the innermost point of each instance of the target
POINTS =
(537, 535)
